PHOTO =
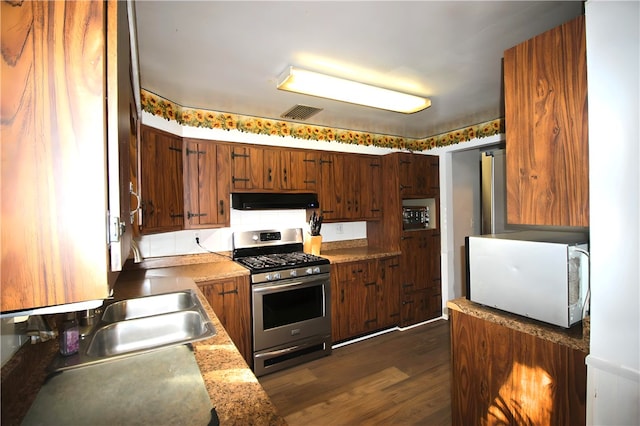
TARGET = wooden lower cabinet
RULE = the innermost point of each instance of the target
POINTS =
(365, 298)
(230, 300)
(388, 292)
(504, 376)
(420, 276)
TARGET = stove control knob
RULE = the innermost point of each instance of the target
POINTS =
(276, 276)
(309, 271)
(268, 277)
(316, 270)
(293, 273)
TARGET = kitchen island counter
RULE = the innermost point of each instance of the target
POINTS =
(577, 337)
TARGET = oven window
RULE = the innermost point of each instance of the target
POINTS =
(288, 307)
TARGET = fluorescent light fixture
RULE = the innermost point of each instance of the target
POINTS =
(324, 86)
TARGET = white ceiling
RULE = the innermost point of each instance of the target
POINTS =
(227, 55)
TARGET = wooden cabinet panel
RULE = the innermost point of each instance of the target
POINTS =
(230, 300)
(275, 168)
(246, 168)
(161, 181)
(546, 120)
(331, 194)
(421, 281)
(501, 375)
(419, 175)
(370, 180)
(290, 170)
(365, 297)
(57, 74)
(353, 187)
(357, 295)
(388, 292)
(206, 183)
(305, 170)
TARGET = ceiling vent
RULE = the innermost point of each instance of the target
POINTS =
(301, 112)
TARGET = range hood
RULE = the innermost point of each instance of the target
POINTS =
(271, 201)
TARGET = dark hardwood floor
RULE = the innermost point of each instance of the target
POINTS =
(402, 377)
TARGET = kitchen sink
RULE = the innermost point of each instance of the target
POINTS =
(149, 305)
(150, 332)
(139, 325)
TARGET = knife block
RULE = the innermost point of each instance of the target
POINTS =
(312, 244)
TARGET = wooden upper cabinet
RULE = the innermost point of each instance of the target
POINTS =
(273, 169)
(331, 193)
(247, 163)
(419, 175)
(351, 197)
(207, 182)
(56, 133)
(161, 181)
(371, 184)
(545, 85)
(304, 169)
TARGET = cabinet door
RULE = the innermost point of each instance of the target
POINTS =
(413, 261)
(545, 88)
(246, 168)
(304, 170)
(352, 187)
(275, 170)
(230, 300)
(434, 283)
(122, 131)
(53, 123)
(419, 175)
(332, 188)
(388, 292)
(206, 184)
(415, 307)
(421, 283)
(161, 181)
(356, 301)
(371, 187)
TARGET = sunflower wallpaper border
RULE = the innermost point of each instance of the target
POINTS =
(169, 110)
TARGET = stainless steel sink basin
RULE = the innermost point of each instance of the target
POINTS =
(149, 305)
(139, 325)
(148, 332)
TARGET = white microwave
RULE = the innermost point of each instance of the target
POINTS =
(542, 275)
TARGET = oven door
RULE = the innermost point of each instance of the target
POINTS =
(291, 310)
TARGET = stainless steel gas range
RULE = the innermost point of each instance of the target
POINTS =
(290, 298)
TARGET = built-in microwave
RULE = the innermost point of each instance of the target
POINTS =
(415, 217)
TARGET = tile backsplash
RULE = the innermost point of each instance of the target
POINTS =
(183, 242)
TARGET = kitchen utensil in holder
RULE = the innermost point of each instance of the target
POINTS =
(312, 244)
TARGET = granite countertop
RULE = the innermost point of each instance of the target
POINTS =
(576, 337)
(354, 254)
(233, 389)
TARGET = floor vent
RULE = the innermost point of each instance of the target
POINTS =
(301, 112)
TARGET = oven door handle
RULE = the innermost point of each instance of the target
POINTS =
(261, 288)
(278, 352)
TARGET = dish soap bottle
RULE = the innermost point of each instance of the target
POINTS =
(69, 335)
